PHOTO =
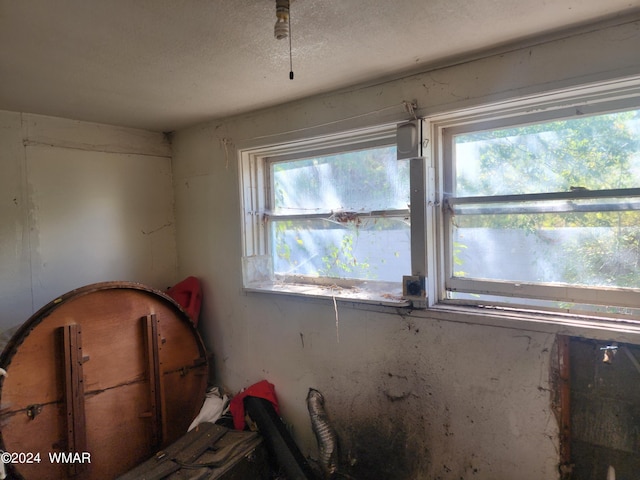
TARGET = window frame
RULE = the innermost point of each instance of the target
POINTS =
(257, 199)
(431, 176)
(570, 103)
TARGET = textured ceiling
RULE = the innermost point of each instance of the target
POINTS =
(165, 64)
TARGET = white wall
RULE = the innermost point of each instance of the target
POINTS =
(80, 203)
(412, 395)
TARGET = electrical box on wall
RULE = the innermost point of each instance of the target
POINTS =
(414, 290)
(409, 140)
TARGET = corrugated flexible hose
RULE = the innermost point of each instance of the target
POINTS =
(324, 432)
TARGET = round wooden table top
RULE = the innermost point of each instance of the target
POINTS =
(97, 381)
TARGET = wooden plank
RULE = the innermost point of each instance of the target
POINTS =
(236, 456)
(74, 394)
(153, 369)
(204, 436)
(185, 450)
(209, 452)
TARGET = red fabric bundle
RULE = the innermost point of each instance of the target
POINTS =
(262, 389)
(188, 294)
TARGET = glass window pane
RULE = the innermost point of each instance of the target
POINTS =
(592, 152)
(590, 249)
(359, 181)
(368, 249)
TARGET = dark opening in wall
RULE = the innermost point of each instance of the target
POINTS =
(603, 390)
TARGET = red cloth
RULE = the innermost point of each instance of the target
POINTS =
(188, 294)
(262, 389)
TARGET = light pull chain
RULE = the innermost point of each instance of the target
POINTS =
(282, 28)
(290, 54)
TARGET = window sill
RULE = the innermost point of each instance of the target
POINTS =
(370, 293)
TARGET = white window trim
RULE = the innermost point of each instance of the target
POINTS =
(258, 273)
(616, 95)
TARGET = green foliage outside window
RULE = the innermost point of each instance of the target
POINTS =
(344, 188)
(585, 153)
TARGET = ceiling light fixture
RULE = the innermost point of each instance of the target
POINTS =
(282, 28)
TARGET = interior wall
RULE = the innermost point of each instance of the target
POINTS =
(412, 395)
(80, 203)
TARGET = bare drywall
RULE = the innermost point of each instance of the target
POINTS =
(15, 269)
(411, 397)
(80, 203)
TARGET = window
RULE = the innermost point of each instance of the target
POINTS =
(532, 204)
(329, 217)
(542, 209)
